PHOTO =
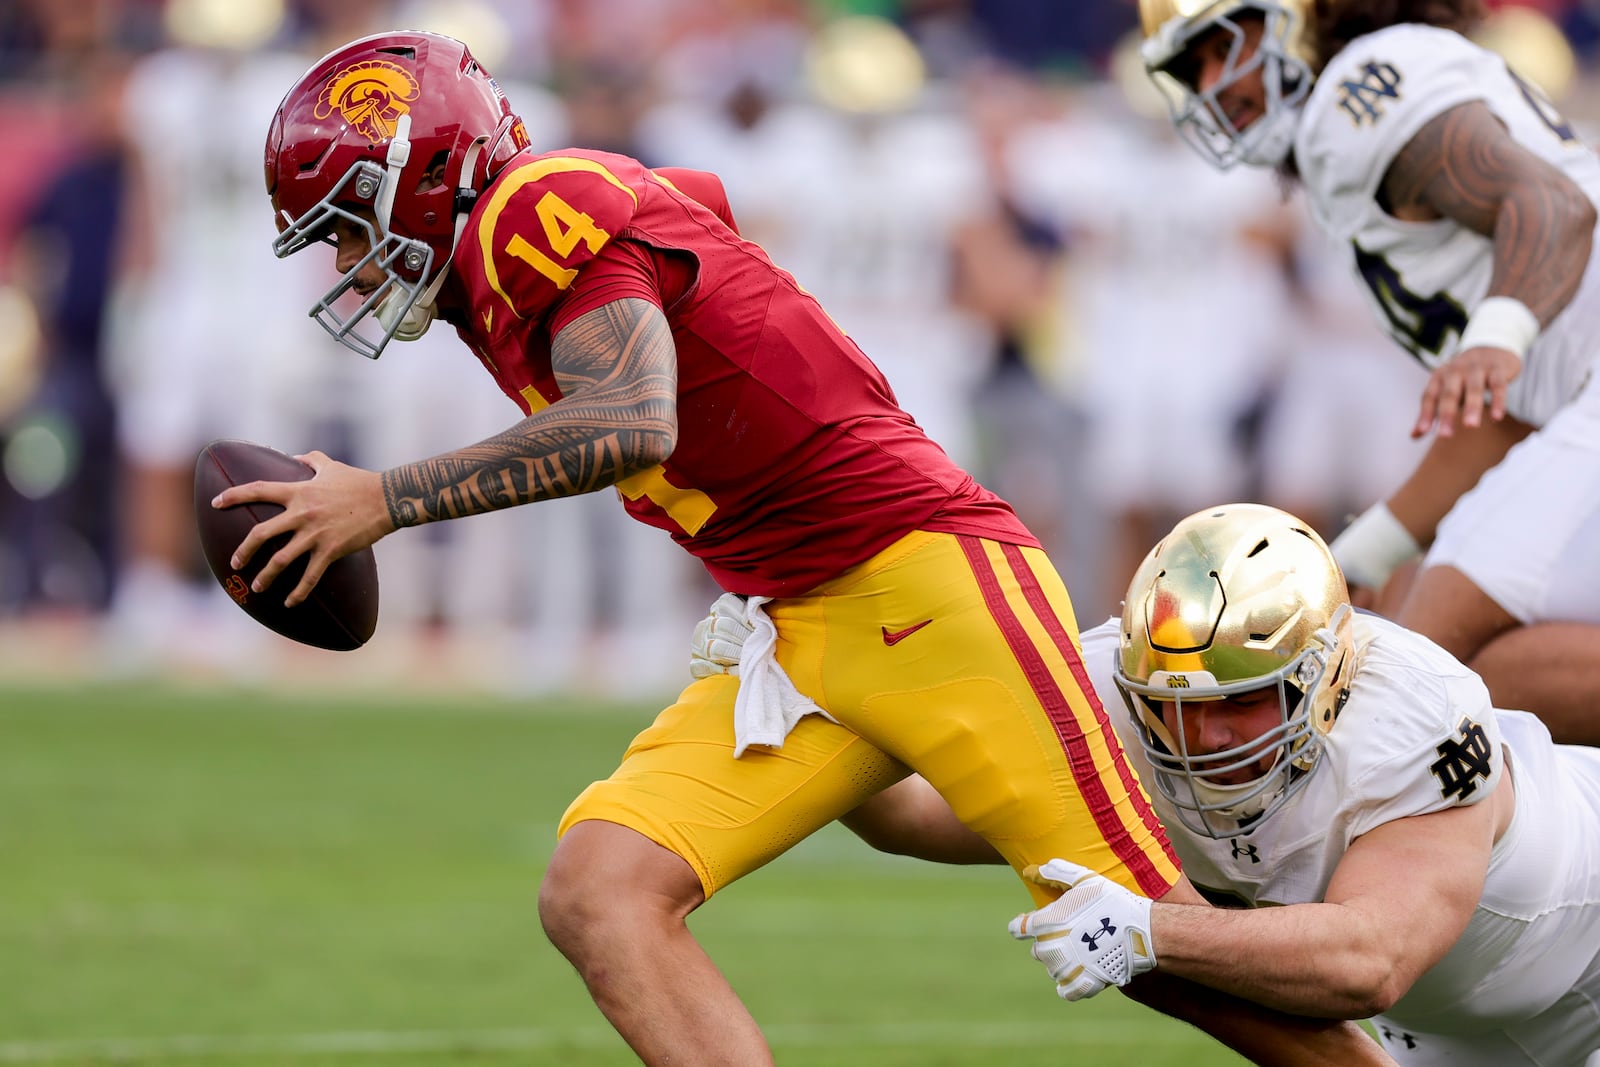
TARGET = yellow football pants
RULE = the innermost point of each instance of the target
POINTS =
(947, 654)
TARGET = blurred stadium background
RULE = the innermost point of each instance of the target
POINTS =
(220, 847)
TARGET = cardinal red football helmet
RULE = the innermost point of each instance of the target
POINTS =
(354, 139)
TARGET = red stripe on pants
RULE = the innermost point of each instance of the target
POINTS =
(1085, 774)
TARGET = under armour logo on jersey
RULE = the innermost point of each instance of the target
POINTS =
(1092, 939)
(1461, 763)
(1392, 1036)
(1363, 99)
(1249, 852)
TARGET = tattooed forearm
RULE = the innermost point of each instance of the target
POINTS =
(1463, 165)
(618, 374)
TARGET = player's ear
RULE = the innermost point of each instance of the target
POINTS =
(433, 177)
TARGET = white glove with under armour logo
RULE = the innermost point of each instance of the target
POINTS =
(1094, 935)
(719, 638)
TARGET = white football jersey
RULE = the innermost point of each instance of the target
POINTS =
(1425, 278)
(1419, 735)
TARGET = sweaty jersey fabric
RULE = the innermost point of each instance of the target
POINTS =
(1425, 278)
(1419, 735)
(793, 460)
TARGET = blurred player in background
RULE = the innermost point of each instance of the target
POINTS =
(1467, 205)
(1179, 297)
(177, 297)
(1415, 854)
(654, 350)
(858, 194)
(1342, 396)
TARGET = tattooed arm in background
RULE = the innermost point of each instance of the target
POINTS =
(618, 373)
(1464, 166)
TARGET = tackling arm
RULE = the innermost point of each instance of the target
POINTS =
(1400, 898)
(910, 818)
(1098, 933)
(1265, 1037)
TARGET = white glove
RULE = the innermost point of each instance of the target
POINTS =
(1094, 935)
(719, 638)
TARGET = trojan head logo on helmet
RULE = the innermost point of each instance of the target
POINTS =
(397, 133)
(1246, 111)
(1236, 600)
(370, 96)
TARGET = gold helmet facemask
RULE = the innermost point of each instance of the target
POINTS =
(1236, 599)
(1171, 29)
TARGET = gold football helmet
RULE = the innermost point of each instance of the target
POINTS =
(1283, 58)
(1234, 600)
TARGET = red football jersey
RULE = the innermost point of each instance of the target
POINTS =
(793, 460)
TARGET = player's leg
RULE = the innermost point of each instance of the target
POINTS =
(616, 903)
(679, 819)
(1553, 667)
(1453, 611)
(1523, 548)
(959, 657)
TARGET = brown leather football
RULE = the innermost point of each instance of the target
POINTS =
(341, 612)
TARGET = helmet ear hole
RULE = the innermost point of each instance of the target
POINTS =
(433, 175)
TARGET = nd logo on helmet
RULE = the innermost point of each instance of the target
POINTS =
(370, 96)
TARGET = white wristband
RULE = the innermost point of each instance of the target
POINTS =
(1501, 322)
(1372, 546)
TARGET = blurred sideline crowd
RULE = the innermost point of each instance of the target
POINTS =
(986, 194)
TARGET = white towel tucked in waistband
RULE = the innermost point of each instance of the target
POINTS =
(768, 704)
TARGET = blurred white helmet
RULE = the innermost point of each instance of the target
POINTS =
(1172, 28)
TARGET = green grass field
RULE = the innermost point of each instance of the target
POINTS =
(239, 878)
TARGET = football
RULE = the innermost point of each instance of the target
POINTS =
(341, 612)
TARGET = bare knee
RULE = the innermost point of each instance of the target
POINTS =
(603, 874)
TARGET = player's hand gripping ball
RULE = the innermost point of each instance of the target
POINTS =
(341, 612)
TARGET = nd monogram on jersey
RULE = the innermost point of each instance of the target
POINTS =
(1423, 279)
(1419, 735)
